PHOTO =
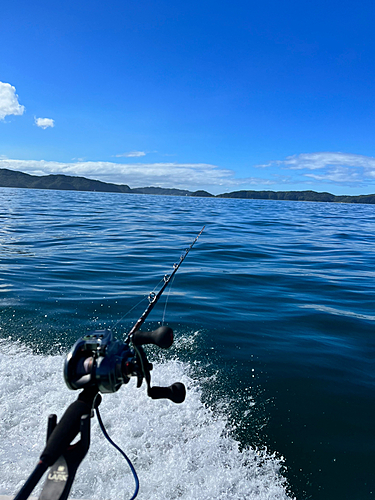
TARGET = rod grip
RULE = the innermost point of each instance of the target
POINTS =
(68, 427)
(162, 337)
(175, 392)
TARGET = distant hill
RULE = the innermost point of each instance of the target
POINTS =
(14, 179)
(299, 196)
(164, 191)
(202, 194)
(11, 178)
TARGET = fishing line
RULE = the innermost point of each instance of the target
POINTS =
(145, 297)
(130, 310)
(166, 300)
(120, 451)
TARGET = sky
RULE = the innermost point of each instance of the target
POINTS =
(215, 95)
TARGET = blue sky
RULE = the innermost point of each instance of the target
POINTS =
(216, 95)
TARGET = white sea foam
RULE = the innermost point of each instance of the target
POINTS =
(179, 451)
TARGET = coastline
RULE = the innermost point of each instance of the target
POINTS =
(59, 182)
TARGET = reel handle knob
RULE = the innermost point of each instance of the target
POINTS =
(162, 337)
(175, 392)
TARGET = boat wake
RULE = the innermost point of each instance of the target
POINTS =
(179, 451)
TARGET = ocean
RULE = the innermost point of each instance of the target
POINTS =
(273, 316)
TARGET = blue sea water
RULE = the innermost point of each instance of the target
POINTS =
(273, 314)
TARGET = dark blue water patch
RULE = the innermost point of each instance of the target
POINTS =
(319, 435)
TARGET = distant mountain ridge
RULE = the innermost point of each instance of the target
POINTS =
(300, 196)
(15, 179)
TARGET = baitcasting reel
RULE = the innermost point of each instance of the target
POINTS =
(100, 362)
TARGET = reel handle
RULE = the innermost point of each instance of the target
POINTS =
(175, 392)
(162, 337)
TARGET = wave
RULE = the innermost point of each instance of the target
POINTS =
(179, 451)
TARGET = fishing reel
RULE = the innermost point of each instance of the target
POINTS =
(98, 361)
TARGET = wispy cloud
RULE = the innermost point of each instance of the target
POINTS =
(314, 161)
(9, 104)
(334, 167)
(190, 176)
(44, 122)
(131, 154)
(315, 171)
(339, 175)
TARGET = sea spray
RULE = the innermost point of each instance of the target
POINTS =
(179, 451)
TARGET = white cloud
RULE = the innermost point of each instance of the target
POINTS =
(44, 122)
(9, 104)
(338, 175)
(315, 171)
(191, 176)
(131, 154)
(314, 161)
(335, 167)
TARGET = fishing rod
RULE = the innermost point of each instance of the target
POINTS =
(153, 298)
(98, 364)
